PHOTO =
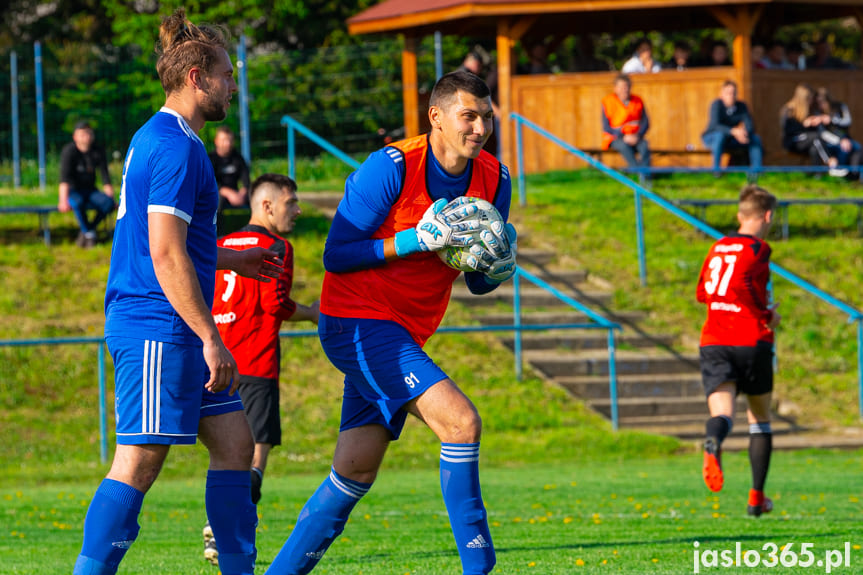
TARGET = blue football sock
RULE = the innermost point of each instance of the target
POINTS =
(459, 482)
(233, 519)
(322, 520)
(110, 528)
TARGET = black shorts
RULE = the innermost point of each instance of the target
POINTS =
(750, 368)
(261, 402)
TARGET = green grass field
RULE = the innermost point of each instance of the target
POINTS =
(631, 516)
(565, 494)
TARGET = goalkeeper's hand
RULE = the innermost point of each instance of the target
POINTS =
(502, 244)
(443, 224)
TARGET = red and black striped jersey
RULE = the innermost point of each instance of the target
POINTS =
(248, 312)
(733, 284)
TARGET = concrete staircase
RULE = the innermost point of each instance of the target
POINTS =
(659, 389)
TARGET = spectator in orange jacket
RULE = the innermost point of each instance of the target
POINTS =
(624, 123)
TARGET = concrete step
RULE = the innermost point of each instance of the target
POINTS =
(530, 296)
(695, 431)
(658, 406)
(536, 256)
(555, 317)
(584, 339)
(556, 277)
(665, 424)
(799, 439)
(594, 362)
(635, 385)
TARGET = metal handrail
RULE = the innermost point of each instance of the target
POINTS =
(853, 313)
(295, 126)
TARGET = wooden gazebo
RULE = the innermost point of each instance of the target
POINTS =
(568, 104)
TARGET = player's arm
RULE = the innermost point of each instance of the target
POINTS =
(755, 281)
(256, 263)
(179, 281)
(369, 195)
(700, 292)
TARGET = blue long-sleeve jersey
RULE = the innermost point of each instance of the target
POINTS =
(370, 193)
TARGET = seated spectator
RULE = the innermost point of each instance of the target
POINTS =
(757, 52)
(731, 128)
(232, 173)
(774, 58)
(537, 60)
(79, 162)
(835, 123)
(823, 58)
(624, 123)
(680, 58)
(642, 60)
(719, 55)
(586, 59)
(801, 126)
(795, 56)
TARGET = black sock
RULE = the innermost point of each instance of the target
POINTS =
(760, 446)
(718, 427)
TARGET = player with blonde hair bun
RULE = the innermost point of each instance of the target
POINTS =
(174, 377)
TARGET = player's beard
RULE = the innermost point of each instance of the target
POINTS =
(213, 110)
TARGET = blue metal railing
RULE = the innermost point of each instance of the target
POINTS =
(295, 126)
(854, 315)
(601, 323)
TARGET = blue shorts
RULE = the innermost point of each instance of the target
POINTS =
(159, 392)
(384, 369)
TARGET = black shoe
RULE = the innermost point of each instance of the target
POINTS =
(257, 479)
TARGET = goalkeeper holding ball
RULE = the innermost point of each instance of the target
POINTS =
(384, 294)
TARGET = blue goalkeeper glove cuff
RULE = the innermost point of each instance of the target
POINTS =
(407, 242)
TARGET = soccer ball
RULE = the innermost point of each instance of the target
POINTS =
(457, 257)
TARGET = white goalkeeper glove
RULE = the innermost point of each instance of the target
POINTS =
(443, 224)
(502, 244)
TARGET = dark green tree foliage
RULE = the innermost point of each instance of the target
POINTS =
(25, 21)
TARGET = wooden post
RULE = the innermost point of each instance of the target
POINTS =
(410, 89)
(743, 64)
(504, 92)
(858, 14)
(741, 21)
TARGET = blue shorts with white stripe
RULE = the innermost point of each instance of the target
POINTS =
(159, 392)
(384, 369)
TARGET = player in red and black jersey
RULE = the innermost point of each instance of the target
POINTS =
(737, 340)
(249, 313)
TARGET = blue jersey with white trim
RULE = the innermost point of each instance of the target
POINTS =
(167, 170)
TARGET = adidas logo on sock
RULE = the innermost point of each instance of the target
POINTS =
(478, 542)
(316, 554)
(123, 544)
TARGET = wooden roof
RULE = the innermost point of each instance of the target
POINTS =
(479, 17)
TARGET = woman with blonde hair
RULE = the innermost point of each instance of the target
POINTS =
(800, 126)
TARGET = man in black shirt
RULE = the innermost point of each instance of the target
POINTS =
(731, 128)
(79, 161)
(232, 173)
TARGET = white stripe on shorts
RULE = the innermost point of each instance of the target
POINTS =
(152, 387)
